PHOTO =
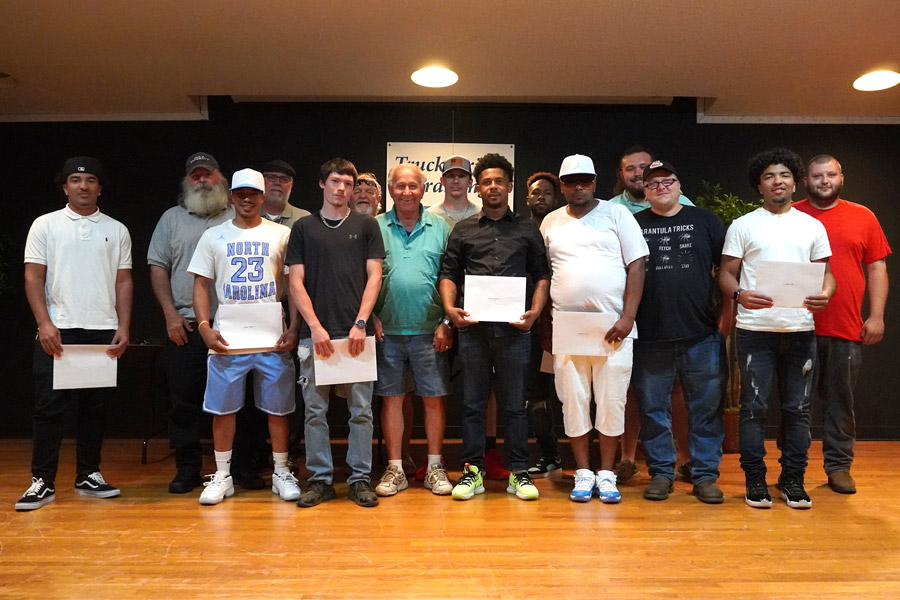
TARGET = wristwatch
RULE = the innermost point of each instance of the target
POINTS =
(360, 323)
(737, 293)
(447, 322)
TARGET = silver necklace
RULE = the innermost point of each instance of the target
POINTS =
(341, 222)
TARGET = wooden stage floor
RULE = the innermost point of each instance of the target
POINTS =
(150, 544)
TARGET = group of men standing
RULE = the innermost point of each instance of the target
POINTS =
(342, 275)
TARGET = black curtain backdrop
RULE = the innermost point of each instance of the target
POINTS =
(144, 162)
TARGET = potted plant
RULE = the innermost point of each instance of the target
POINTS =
(728, 207)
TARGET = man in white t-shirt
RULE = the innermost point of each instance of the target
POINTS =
(78, 285)
(597, 254)
(776, 345)
(243, 260)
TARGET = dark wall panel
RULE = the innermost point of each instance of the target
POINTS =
(145, 160)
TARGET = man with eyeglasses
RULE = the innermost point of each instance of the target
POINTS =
(279, 177)
(776, 345)
(597, 254)
(630, 194)
(679, 338)
(366, 196)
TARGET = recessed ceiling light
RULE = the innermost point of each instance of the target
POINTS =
(434, 77)
(877, 80)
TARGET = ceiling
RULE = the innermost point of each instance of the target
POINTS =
(759, 60)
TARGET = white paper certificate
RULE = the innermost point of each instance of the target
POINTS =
(789, 283)
(250, 326)
(340, 367)
(84, 366)
(582, 333)
(490, 298)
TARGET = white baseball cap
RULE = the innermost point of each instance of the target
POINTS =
(577, 164)
(248, 178)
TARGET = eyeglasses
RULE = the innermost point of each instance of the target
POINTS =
(666, 183)
(576, 181)
(276, 178)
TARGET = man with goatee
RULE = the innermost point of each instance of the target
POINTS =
(857, 241)
(203, 203)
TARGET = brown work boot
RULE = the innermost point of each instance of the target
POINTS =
(841, 482)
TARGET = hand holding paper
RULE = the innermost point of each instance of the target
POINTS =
(498, 299)
(791, 284)
(341, 367)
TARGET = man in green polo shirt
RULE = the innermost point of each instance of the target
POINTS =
(414, 335)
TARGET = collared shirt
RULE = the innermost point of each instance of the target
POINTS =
(172, 246)
(83, 255)
(635, 207)
(409, 303)
(288, 216)
(511, 246)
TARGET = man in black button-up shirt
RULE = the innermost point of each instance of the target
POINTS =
(495, 242)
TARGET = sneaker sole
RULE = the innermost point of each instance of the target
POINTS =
(758, 503)
(581, 498)
(470, 495)
(320, 501)
(292, 498)
(512, 490)
(212, 501)
(543, 474)
(800, 504)
(608, 500)
(26, 506)
(439, 492)
(94, 494)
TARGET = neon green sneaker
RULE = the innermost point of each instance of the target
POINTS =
(471, 483)
(521, 485)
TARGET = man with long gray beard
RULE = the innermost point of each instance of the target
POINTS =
(203, 203)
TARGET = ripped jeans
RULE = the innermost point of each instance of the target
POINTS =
(775, 365)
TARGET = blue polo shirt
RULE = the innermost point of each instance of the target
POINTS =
(409, 303)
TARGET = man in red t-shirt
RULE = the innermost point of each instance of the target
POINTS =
(856, 238)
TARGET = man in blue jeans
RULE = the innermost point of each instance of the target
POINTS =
(495, 242)
(678, 337)
(776, 345)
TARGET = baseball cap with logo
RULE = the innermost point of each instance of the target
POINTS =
(456, 162)
(82, 164)
(577, 164)
(248, 178)
(200, 159)
(659, 164)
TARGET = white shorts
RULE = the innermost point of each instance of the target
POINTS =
(609, 377)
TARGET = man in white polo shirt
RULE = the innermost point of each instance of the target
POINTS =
(78, 284)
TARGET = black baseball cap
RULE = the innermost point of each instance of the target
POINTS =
(278, 166)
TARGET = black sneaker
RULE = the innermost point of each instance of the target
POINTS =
(362, 493)
(758, 492)
(185, 482)
(792, 491)
(93, 485)
(37, 495)
(317, 493)
(545, 467)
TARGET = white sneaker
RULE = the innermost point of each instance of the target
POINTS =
(392, 481)
(606, 488)
(219, 487)
(437, 481)
(584, 486)
(286, 486)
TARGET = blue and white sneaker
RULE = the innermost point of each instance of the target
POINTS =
(606, 488)
(584, 486)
